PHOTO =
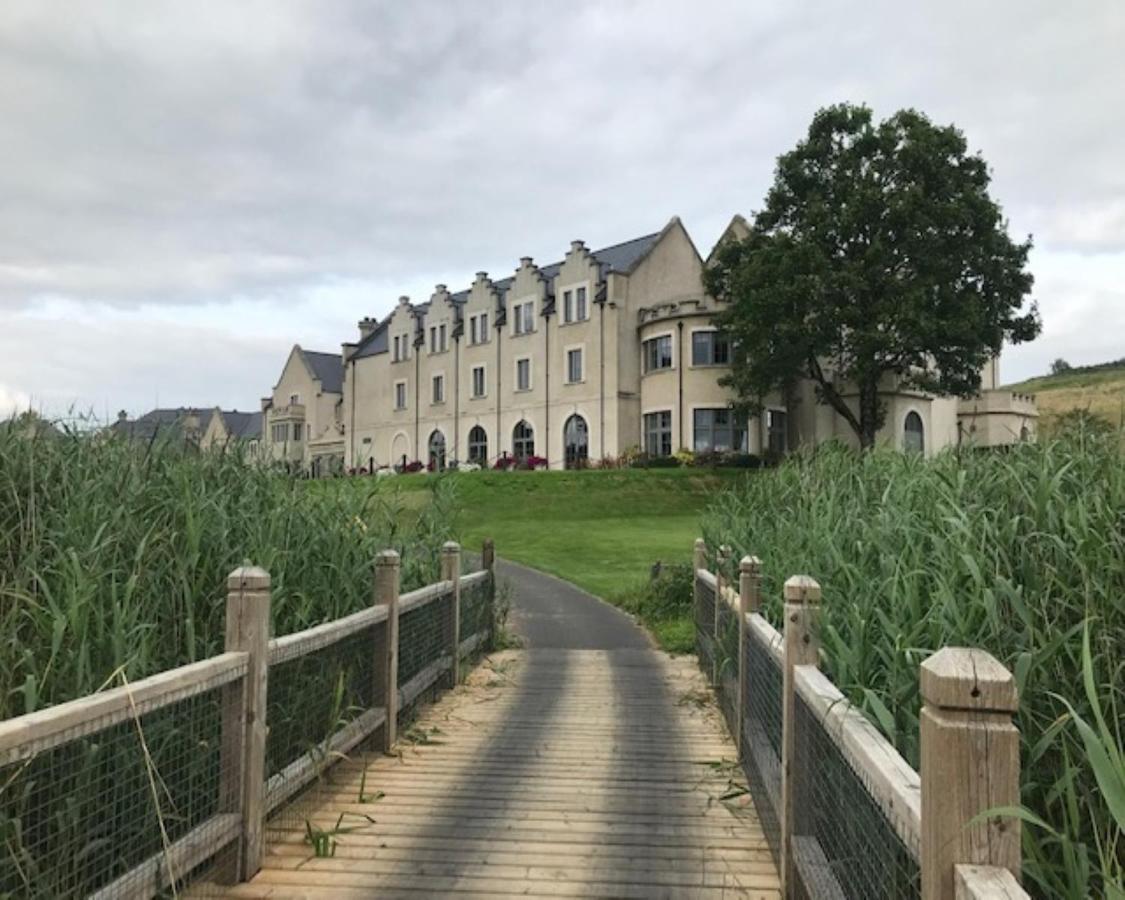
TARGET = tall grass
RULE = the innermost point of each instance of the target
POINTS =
(1019, 553)
(114, 555)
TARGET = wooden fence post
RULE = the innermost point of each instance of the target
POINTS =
(970, 763)
(749, 601)
(488, 563)
(244, 718)
(387, 579)
(451, 571)
(802, 648)
(698, 563)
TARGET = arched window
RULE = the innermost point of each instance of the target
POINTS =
(913, 434)
(523, 441)
(478, 446)
(437, 451)
(576, 440)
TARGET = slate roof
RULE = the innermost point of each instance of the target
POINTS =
(159, 421)
(615, 258)
(243, 425)
(329, 368)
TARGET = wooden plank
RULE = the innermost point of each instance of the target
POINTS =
(24, 736)
(423, 596)
(284, 784)
(301, 643)
(986, 883)
(894, 786)
(814, 871)
(470, 644)
(474, 578)
(410, 691)
(157, 872)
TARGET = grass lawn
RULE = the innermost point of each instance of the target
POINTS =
(601, 530)
(1101, 391)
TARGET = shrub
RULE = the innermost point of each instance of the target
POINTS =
(644, 461)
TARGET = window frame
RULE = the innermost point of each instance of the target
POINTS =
(521, 311)
(483, 369)
(401, 384)
(782, 432)
(478, 458)
(580, 349)
(653, 340)
(530, 379)
(437, 389)
(733, 428)
(711, 363)
(659, 432)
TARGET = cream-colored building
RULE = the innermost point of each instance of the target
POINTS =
(302, 419)
(228, 427)
(600, 353)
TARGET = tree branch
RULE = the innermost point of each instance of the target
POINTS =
(829, 393)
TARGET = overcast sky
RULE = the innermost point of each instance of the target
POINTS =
(187, 189)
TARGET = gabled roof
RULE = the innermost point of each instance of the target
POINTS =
(243, 425)
(616, 258)
(329, 368)
(159, 420)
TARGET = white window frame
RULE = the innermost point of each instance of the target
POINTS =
(691, 348)
(671, 427)
(478, 328)
(483, 367)
(437, 378)
(516, 310)
(570, 312)
(699, 407)
(581, 350)
(530, 375)
(644, 353)
(443, 337)
(405, 395)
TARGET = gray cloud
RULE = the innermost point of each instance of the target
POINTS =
(170, 156)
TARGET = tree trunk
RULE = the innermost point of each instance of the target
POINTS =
(868, 413)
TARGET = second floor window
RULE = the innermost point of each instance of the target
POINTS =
(709, 348)
(573, 366)
(280, 433)
(478, 329)
(478, 381)
(574, 305)
(523, 375)
(439, 389)
(294, 399)
(524, 317)
(400, 395)
(657, 353)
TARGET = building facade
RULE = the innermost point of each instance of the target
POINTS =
(603, 352)
(228, 427)
(302, 419)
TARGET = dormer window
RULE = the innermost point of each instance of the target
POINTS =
(523, 317)
(574, 305)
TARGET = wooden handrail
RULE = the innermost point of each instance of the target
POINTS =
(301, 643)
(423, 596)
(27, 735)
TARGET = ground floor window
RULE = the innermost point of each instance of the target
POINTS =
(913, 433)
(658, 433)
(718, 430)
(437, 451)
(777, 426)
(576, 436)
(523, 441)
(478, 446)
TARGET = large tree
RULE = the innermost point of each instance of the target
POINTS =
(879, 258)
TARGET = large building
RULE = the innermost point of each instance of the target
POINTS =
(302, 423)
(589, 357)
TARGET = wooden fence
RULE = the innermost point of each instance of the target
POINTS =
(200, 732)
(844, 813)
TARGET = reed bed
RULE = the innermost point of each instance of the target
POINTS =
(1021, 553)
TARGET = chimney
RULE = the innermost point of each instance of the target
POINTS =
(525, 261)
(366, 326)
(439, 288)
(482, 276)
(122, 416)
(575, 246)
(346, 351)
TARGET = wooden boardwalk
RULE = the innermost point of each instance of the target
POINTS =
(549, 773)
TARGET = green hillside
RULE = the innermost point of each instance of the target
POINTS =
(1098, 389)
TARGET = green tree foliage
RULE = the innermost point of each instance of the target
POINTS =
(1059, 366)
(879, 255)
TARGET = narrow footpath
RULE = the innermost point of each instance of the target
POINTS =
(586, 764)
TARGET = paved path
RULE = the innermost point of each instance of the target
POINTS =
(587, 764)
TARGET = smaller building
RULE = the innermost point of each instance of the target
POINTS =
(228, 428)
(302, 419)
(186, 423)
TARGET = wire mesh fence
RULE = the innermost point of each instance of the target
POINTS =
(704, 613)
(761, 727)
(424, 636)
(726, 663)
(477, 606)
(843, 843)
(98, 811)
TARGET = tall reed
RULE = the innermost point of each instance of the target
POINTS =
(1015, 552)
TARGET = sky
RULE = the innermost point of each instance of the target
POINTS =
(188, 189)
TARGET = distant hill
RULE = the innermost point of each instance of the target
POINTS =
(1099, 389)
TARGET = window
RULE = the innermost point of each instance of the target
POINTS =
(395, 353)
(523, 441)
(524, 314)
(576, 442)
(709, 348)
(296, 431)
(777, 428)
(433, 339)
(716, 429)
(913, 434)
(523, 374)
(478, 381)
(294, 399)
(438, 389)
(443, 343)
(478, 329)
(400, 395)
(478, 446)
(658, 433)
(574, 305)
(401, 347)
(437, 451)
(573, 366)
(658, 353)
(280, 433)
